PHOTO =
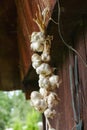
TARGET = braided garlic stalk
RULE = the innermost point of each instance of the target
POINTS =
(45, 99)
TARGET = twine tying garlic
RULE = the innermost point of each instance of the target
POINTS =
(45, 99)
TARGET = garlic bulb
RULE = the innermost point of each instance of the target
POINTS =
(41, 76)
(49, 113)
(40, 104)
(52, 99)
(35, 36)
(44, 83)
(44, 69)
(43, 92)
(35, 57)
(36, 64)
(37, 46)
(45, 57)
(54, 81)
(35, 95)
(36, 60)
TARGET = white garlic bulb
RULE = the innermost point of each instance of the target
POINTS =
(52, 99)
(35, 36)
(37, 46)
(44, 69)
(40, 104)
(43, 92)
(35, 95)
(41, 76)
(36, 60)
(44, 83)
(54, 81)
(35, 57)
(49, 113)
(45, 57)
(36, 64)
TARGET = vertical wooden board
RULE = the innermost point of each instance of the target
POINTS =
(67, 96)
(81, 48)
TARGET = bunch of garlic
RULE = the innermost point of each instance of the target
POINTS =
(45, 99)
(38, 102)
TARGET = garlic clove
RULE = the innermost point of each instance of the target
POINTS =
(49, 113)
(35, 95)
(44, 69)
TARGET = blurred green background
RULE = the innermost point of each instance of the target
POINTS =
(16, 112)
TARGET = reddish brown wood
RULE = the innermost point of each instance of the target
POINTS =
(26, 12)
(15, 53)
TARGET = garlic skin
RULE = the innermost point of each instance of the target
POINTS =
(36, 64)
(35, 95)
(44, 69)
(43, 92)
(54, 81)
(52, 99)
(45, 13)
(49, 113)
(35, 36)
(37, 46)
(44, 83)
(39, 104)
(37, 41)
(45, 57)
(35, 57)
(36, 60)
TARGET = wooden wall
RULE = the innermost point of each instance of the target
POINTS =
(65, 118)
(61, 57)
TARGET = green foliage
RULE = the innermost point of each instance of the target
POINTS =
(17, 125)
(2, 125)
(16, 112)
(5, 107)
(32, 120)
